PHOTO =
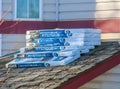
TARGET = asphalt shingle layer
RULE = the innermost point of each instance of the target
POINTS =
(54, 77)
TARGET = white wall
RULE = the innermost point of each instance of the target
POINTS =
(89, 9)
(12, 43)
(108, 80)
(49, 10)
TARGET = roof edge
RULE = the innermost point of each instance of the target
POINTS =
(92, 73)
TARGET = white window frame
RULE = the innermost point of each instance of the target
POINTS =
(0, 9)
(32, 19)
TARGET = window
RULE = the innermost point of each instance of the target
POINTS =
(0, 9)
(28, 9)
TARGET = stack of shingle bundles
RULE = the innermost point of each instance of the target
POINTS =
(55, 47)
(84, 39)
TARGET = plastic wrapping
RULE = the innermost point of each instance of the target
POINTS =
(55, 47)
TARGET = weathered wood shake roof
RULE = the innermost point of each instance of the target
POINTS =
(75, 74)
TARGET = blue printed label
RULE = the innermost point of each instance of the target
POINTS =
(54, 31)
(29, 65)
(53, 35)
(51, 48)
(49, 40)
(54, 44)
(39, 55)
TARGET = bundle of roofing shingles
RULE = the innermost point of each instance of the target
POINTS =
(55, 77)
(55, 47)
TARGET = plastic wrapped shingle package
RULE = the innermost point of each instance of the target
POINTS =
(55, 47)
(55, 61)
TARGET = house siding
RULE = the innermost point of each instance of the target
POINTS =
(48, 13)
(12, 43)
(101, 14)
(88, 9)
(49, 10)
(62, 10)
(108, 80)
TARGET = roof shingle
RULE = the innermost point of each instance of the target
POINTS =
(54, 77)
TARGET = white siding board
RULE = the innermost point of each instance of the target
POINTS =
(108, 80)
(110, 36)
(105, 85)
(89, 15)
(114, 70)
(89, 7)
(86, 1)
(12, 43)
(49, 1)
(49, 16)
(76, 15)
(107, 14)
(13, 38)
(49, 8)
(5, 52)
(111, 77)
(71, 9)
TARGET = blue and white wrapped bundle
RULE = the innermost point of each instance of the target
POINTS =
(59, 31)
(61, 40)
(13, 64)
(49, 33)
(68, 52)
(42, 48)
(83, 30)
(30, 38)
(35, 55)
(55, 61)
(49, 40)
(47, 54)
(55, 47)
(47, 44)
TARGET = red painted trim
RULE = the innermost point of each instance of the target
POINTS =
(92, 73)
(20, 27)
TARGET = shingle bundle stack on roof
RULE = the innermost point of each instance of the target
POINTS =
(55, 47)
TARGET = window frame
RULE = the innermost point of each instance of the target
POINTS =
(32, 19)
(0, 9)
